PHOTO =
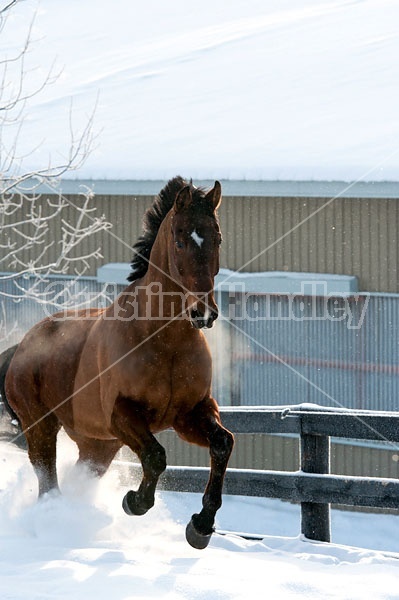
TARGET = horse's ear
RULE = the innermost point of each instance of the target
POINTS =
(183, 198)
(215, 195)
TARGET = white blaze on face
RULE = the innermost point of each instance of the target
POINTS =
(197, 238)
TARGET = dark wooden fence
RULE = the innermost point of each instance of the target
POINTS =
(313, 486)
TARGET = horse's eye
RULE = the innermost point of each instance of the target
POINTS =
(179, 244)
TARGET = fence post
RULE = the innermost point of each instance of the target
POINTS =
(315, 458)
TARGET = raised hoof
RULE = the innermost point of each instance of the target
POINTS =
(129, 505)
(195, 538)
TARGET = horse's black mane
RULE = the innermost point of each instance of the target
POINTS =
(152, 220)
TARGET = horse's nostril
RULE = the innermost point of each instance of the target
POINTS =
(200, 320)
(212, 318)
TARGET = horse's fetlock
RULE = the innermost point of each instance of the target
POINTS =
(211, 505)
(204, 522)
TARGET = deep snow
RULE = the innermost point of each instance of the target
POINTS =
(245, 89)
(81, 545)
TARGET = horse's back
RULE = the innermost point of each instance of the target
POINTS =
(43, 369)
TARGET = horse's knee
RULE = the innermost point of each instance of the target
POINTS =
(222, 443)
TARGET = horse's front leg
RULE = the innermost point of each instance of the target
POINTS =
(202, 426)
(130, 426)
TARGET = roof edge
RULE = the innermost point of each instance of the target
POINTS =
(316, 189)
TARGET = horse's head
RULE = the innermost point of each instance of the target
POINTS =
(195, 240)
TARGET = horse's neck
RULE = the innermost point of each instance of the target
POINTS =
(158, 297)
(158, 265)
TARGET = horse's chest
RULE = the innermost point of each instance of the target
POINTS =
(168, 385)
(171, 375)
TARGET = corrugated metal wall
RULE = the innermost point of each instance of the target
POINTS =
(350, 236)
(347, 236)
(328, 360)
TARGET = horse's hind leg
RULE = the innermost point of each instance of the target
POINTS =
(130, 426)
(202, 427)
(41, 437)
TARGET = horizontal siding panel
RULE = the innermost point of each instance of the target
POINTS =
(350, 236)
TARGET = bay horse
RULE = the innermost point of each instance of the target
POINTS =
(117, 376)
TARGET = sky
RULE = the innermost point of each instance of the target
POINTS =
(245, 89)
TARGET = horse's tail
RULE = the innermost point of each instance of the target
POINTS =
(5, 360)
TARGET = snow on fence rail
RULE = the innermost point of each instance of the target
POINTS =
(313, 486)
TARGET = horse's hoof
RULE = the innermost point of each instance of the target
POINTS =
(129, 505)
(195, 538)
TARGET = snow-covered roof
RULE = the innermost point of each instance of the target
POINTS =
(245, 89)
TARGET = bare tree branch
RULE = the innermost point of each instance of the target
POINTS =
(30, 252)
(7, 7)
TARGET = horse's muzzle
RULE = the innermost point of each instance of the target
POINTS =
(203, 321)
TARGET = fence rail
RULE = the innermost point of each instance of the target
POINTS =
(313, 486)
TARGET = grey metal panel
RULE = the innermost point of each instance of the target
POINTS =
(253, 451)
(321, 361)
(364, 460)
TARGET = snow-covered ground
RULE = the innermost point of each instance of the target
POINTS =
(245, 89)
(81, 545)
